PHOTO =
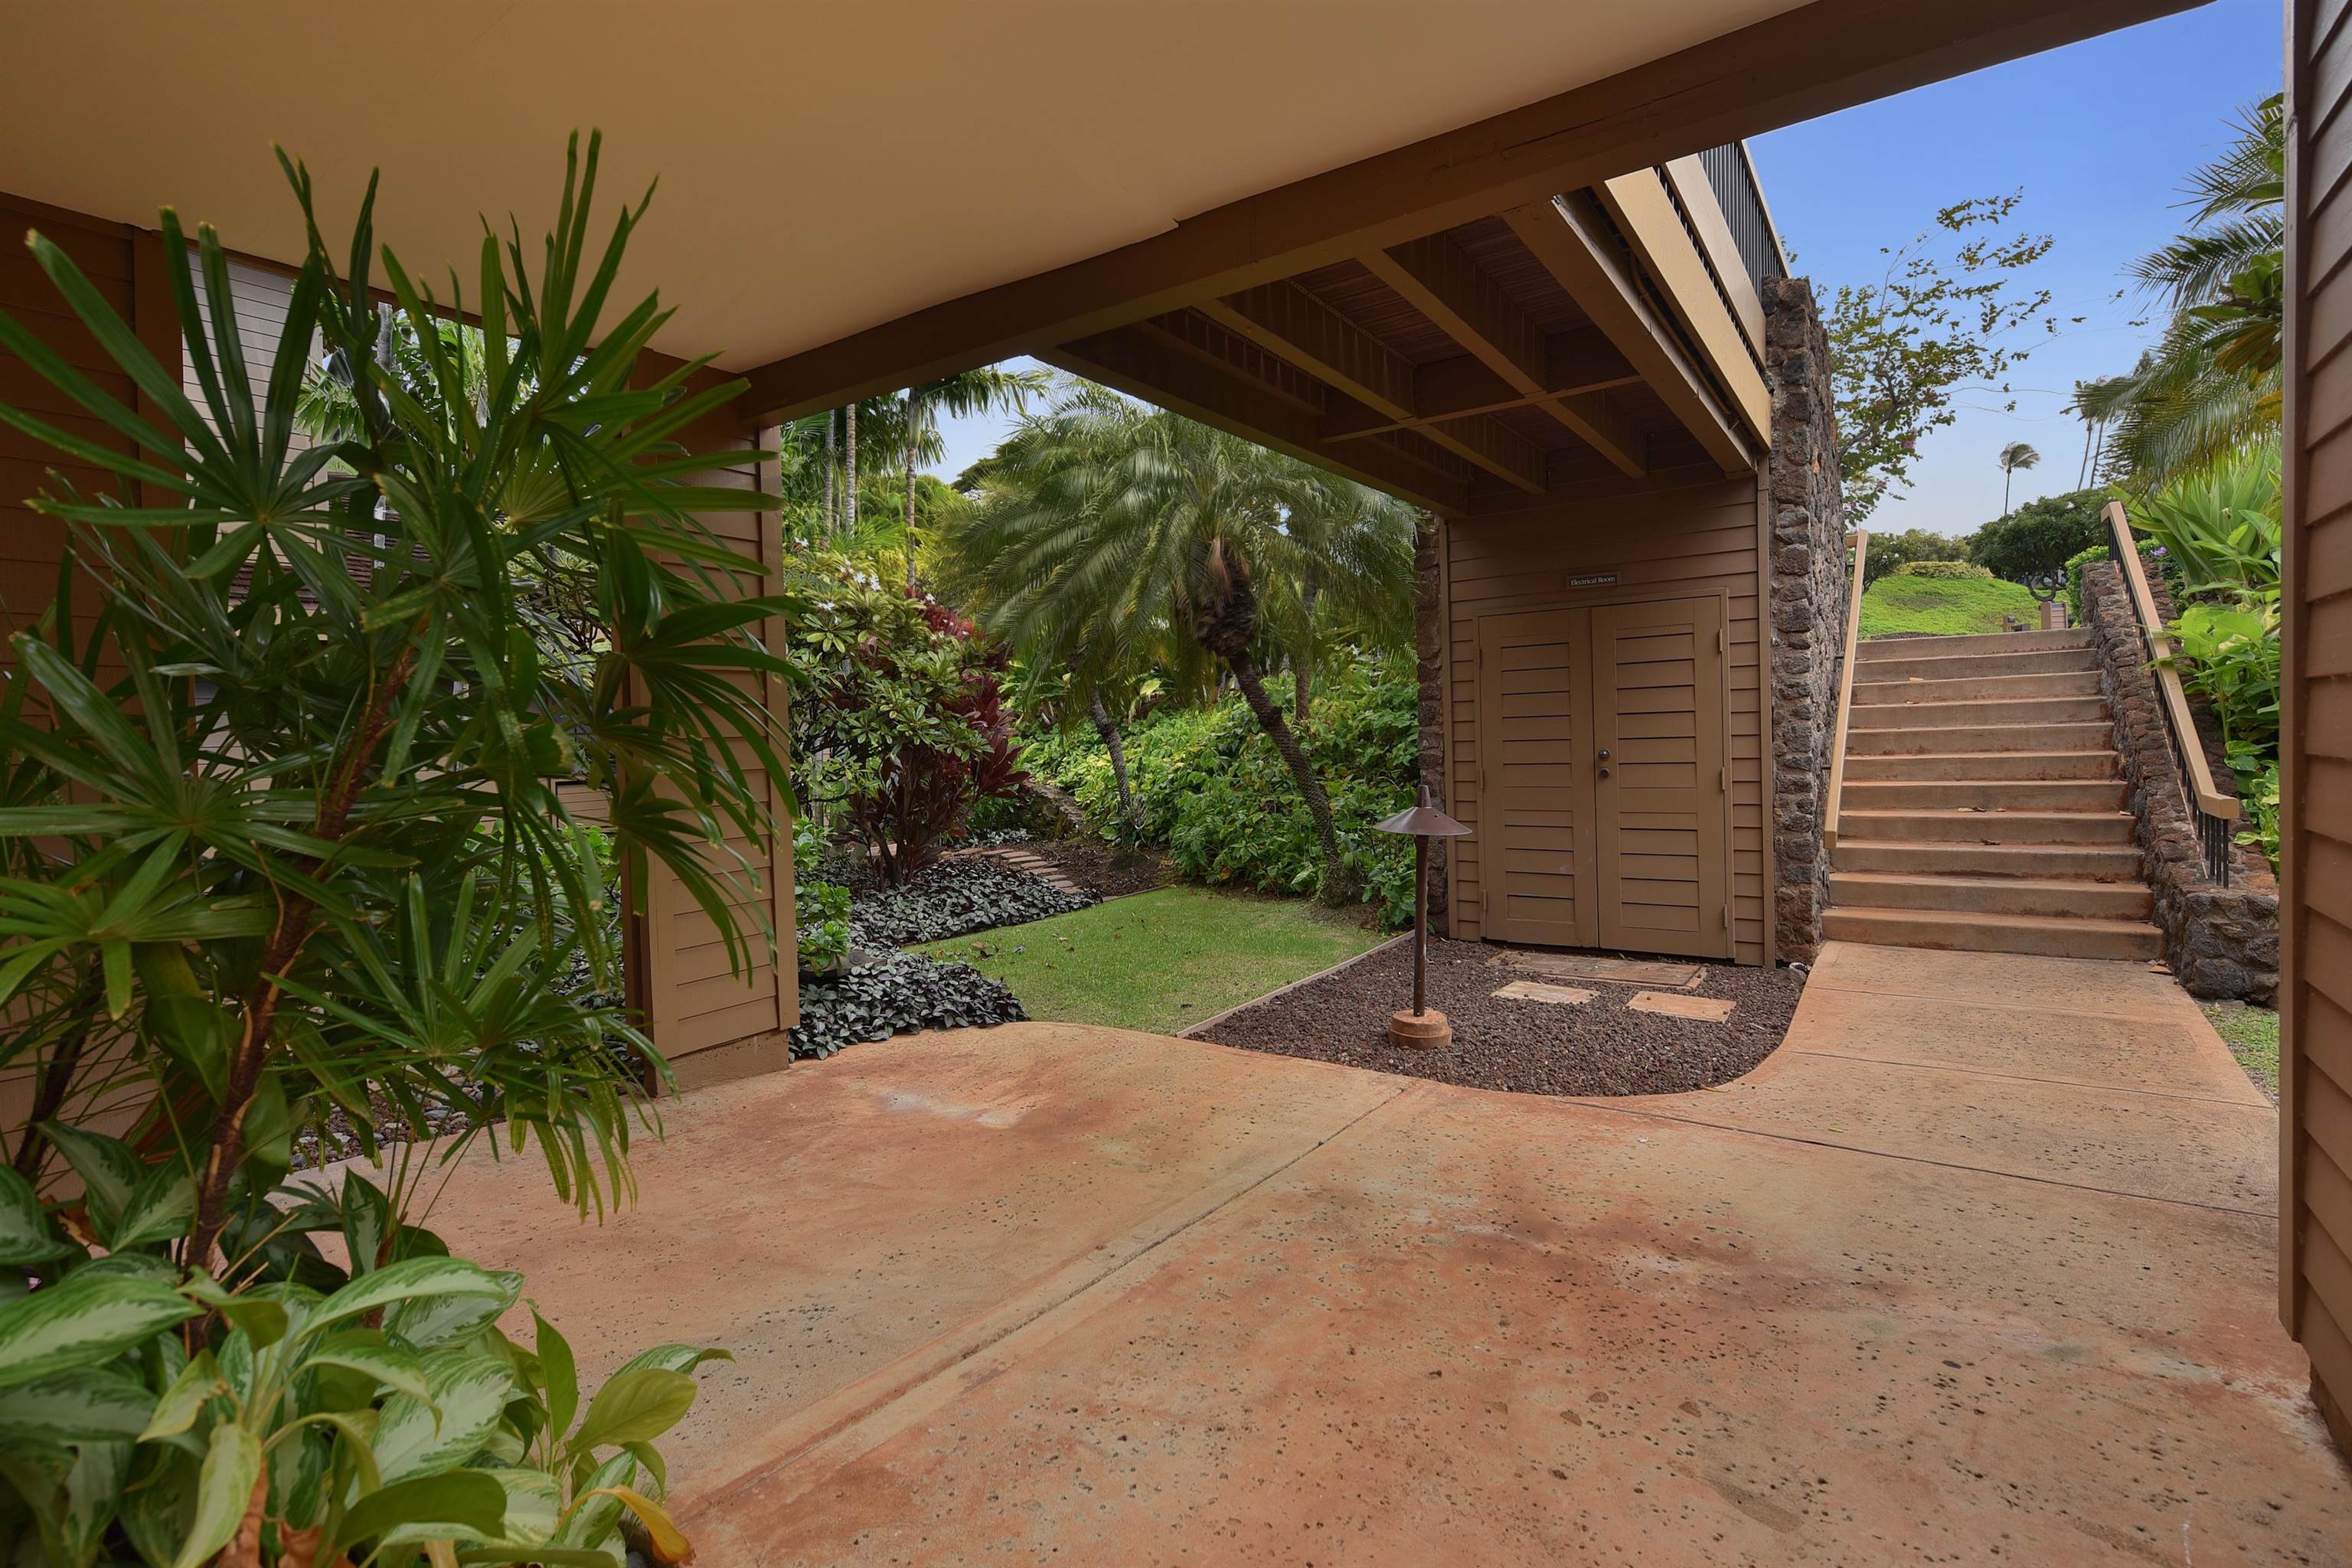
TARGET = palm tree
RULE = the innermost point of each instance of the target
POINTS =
(2015, 456)
(2211, 385)
(990, 389)
(1106, 527)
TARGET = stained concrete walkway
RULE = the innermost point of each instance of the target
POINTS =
(1977, 1269)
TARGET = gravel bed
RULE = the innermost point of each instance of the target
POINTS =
(1600, 1048)
(952, 897)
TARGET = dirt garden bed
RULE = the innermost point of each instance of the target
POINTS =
(1599, 1047)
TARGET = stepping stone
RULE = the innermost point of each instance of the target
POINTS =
(1674, 1005)
(1537, 991)
(1613, 970)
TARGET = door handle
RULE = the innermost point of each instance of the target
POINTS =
(1604, 762)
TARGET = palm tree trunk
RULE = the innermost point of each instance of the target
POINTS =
(2004, 491)
(1341, 886)
(914, 432)
(829, 422)
(849, 475)
(1302, 662)
(1109, 732)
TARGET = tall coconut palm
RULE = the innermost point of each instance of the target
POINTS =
(988, 390)
(1108, 526)
(2015, 456)
(2212, 386)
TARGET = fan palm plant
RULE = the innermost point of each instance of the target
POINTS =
(281, 835)
(1108, 526)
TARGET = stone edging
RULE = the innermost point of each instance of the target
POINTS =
(1193, 1031)
(2221, 941)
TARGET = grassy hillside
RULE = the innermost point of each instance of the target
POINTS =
(1946, 607)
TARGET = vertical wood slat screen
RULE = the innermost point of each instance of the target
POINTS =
(2315, 902)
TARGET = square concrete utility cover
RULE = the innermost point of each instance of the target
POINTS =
(1707, 1009)
(1537, 991)
(1614, 970)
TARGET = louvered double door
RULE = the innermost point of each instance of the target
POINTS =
(1603, 782)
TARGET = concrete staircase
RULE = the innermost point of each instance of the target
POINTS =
(1983, 806)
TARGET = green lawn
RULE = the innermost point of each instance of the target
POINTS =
(1161, 960)
(2251, 1035)
(1945, 606)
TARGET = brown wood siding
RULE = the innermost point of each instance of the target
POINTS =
(696, 1000)
(2315, 998)
(1672, 537)
(109, 255)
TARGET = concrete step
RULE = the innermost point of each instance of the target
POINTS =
(1990, 895)
(1947, 685)
(1979, 642)
(2006, 713)
(1998, 794)
(1943, 666)
(1925, 765)
(1915, 738)
(2051, 935)
(1988, 826)
(2100, 862)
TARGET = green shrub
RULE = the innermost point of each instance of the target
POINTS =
(2040, 536)
(1948, 571)
(1210, 787)
(2223, 531)
(2153, 561)
(1889, 553)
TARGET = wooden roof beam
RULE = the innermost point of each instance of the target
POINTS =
(1287, 321)
(1143, 364)
(1437, 279)
(1579, 360)
(1566, 235)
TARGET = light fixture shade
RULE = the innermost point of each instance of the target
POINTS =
(1422, 821)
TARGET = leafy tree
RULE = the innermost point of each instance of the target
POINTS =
(1933, 326)
(2211, 385)
(898, 715)
(280, 835)
(1107, 526)
(1890, 551)
(2041, 535)
(2015, 456)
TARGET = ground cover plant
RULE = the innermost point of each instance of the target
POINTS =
(1162, 961)
(952, 897)
(1945, 606)
(2252, 1035)
(280, 836)
(895, 995)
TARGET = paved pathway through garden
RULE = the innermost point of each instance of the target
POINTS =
(1977, 1267)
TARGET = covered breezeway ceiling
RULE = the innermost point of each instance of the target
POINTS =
(828, 171)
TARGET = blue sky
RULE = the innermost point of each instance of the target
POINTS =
(2097, 135)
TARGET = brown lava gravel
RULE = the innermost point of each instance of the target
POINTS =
(1533, 1047)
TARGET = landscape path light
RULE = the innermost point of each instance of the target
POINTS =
(1421, 1027)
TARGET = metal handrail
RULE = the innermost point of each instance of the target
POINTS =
(2215, 813)
(1859, 540)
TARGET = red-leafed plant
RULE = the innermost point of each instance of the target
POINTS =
(899, 719)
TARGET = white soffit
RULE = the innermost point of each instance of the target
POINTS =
(822, 167)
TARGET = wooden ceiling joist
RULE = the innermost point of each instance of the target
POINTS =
(1287, 321)
(1441, 283)
(1577, 360)
(1567, 236)
(1144, 363)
